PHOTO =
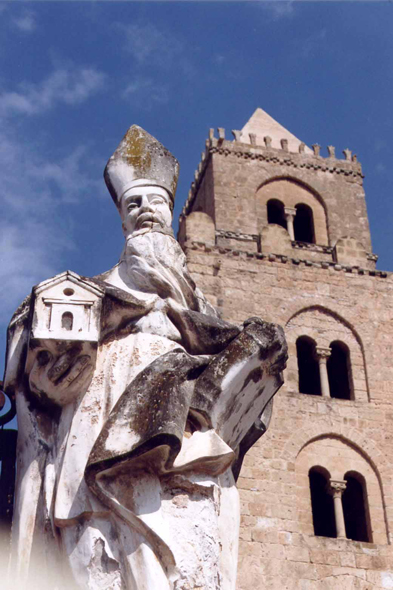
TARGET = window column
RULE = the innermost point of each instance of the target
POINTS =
(322, 354)
(290, 213)
(336, 489)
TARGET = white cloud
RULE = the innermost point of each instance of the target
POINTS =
(146, 93)
(158, 48)
(36, 189)
(379, 145)
(278, 9)
(147, 43)
(33, 232)
(29, 250)
(314, 44)
(26, 22)
(68, 175)
(380, 168)
(65, 85)
(219, 59)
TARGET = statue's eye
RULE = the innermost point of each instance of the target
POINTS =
(157, 200)
(131, 206)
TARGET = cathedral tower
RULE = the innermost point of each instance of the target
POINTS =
(272, 228)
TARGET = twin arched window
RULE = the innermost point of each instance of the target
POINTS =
(309, 377)
(350, 500)
(322, 503)
(276, 213)
(339, 371)
(303, 224)
(311, 368)
(355, 507)
(302, 220)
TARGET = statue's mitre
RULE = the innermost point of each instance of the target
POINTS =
(140, 159)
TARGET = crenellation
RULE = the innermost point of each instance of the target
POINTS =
(236, 134)
(317, 149)
(332, 151)
(284, 145)
(221, 134)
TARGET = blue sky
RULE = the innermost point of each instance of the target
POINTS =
(75, 75)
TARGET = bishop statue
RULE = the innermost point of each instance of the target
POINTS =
(136, 404)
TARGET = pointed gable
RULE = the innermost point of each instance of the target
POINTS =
(262, 125)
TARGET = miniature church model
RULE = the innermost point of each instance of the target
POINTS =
(67, 307)
(276, 229)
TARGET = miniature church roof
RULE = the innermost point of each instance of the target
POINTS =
(264, 125)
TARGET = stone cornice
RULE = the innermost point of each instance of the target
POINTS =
(270, 257)
(348, 167)
(313, 247)
(233, 235)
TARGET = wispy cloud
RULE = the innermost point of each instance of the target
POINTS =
(147, 43)
(219, 59)
(158, 48)
(380, 168)
(146, 93)
(65, 85)
(28, 254)
(165, 56)
(313, 44)
(278, 9)
(37, 189)
(33, 229)
(379, 145)
(26, 22)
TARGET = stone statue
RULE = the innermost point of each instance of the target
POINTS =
(136, 404)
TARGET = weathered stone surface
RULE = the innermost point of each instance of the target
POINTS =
(327, 291)
(136, 405)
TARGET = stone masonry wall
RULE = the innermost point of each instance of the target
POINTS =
(328, 291)
(236, 203)
(233, 176)
(278, 548)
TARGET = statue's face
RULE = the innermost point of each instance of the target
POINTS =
(143, 206)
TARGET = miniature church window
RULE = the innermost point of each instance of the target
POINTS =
(339, 371)
(355, 507)
(67, 320)
(276, 213)
(308, 367)
(303, 224)
(322, 503)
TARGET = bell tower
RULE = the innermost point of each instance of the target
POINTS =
(277, 229)
(269, 192)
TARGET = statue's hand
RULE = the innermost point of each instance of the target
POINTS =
(60, 375)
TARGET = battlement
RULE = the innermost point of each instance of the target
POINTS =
(303, 159)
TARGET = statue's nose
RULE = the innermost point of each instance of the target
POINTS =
(145, 205)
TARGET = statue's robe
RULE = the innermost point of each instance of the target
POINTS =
(133, 481)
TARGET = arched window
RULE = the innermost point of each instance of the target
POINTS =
(275, 213)
(309, 379)
(67, 320)
(339, 371)
(355, 507)
(322, 503)
(303, 224)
